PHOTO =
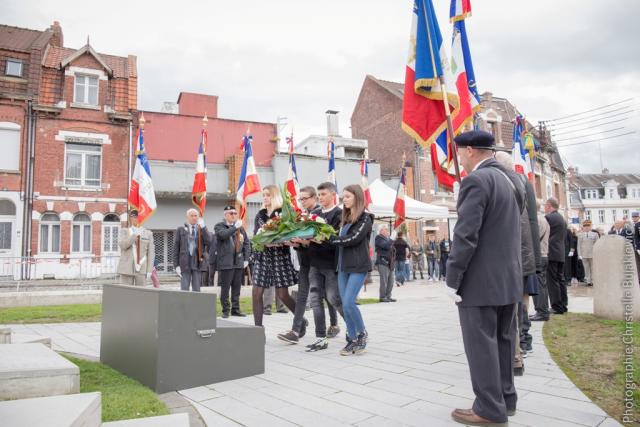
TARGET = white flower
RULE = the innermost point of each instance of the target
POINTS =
(320, 220)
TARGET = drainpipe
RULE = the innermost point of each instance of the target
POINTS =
(25, 273)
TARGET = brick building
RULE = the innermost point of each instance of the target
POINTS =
(377, 117)
(66, 120)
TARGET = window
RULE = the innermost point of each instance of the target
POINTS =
(81, 233)
(50, 233)
(635, 193)
(587, 214)
(83, 162)
(625, 213)
(614, 214)
(110, 232)
(10, 143)
(14, 68)
(86, 90)
(590, 194)
(611, 190)
(601, 216)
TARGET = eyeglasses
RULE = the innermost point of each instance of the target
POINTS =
(232, 213)
(302, 199)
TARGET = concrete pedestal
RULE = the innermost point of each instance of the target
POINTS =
(616, 293)
(33, 370)
(75, 410)
(170, 340)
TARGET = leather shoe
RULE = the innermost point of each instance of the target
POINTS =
(238, 314)
(384, 300)
(538, 318)
(470, 418)
(225, 315)
(392, 300)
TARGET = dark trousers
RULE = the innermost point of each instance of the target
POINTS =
(557, 286)
(443, 264)
(541, 301)
(489, 336)
(212, 275)
(301, 299)
(386, 280)
(230, 279)
(323, 286)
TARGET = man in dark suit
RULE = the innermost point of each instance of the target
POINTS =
(213, 255)
(555, 270)
(484, 277)
(233, 251)
(190, 251)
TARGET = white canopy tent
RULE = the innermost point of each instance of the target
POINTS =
(383, 198)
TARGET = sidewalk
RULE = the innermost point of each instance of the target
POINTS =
(414, 373)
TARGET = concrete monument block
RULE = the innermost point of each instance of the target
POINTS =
(616, 294)
(33, 370)
(173, 420)
(72, 410)
(171, 340)
(5, 335)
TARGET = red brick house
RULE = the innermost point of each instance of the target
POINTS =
(73, 112)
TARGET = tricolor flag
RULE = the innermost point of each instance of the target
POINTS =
(399, 206)
(249, 183)
(521, 159)
(442, 161)
(364, 172)
(460, 9)
(423, 110)
(462, 70)
(142, 197)
(199, 190)
(292, 185)
(331, 148)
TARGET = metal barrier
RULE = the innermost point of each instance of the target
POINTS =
(62, 267)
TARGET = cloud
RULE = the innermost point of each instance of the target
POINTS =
(298, 59)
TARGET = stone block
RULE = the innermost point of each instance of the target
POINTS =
(5, 335)
(173, 420)
(33, 370)
(30, 339)
(72, 410)
(616, 293)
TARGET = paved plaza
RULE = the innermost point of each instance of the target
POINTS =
(413, 373)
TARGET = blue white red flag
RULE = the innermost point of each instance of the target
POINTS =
(142, 196)
(199, 190)
(459, 10)
(423, 110)
(464, 77)
(292, 185)
(521, 158)
(399, 205)
(249, 183)
(331, 153)
(364, 172)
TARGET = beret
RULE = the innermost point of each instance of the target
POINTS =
(475, 139)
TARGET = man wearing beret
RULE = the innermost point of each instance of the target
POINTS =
(233, 251)
(137, 252)
(586, 239)
(484, 277)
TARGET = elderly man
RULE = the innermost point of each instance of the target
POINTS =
(137, 252)
(384, 262)
(484, 277)
(232, 257)
(190, 251)
(586, 239)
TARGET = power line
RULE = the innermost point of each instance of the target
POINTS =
(588, 111)
(582, 119)
(597, 140)
(589, 135)
(564, 132)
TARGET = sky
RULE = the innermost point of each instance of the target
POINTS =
(297, 59)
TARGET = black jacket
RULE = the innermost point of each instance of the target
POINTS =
(557, 236)
(485, 264)
(384, 246)
(228, 258)
(303, 251)
(213, 247)
(181, 248)
(323, 255)
(636, 235)
(531, 260)
(355, 245)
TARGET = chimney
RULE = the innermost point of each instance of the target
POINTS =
(57, 39)
(169, 107)
(605, 171)
(197, 104)
(332, 123)
(486, 98)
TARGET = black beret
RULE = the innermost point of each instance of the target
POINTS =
(475, 139)
(133, 213)
(229, 208)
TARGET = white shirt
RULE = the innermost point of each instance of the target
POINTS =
(481, 162)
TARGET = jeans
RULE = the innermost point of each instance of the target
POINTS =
(400, 271)
(323, 283)
(386, 281)
(407, 271)
(349, 285)
(443, 264)
(301, 298)
(431, 263)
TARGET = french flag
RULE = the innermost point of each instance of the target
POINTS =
(292, 185)
(142, 196)
(463, 75)
(249, 183)
(331, 149)
(459, 10)
(399, 205)
(423, 111)
(364, 172)
(199, 190)
(521, 158)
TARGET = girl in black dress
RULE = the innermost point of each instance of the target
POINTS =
(272, 267)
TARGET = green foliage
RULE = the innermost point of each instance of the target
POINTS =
(51, 314)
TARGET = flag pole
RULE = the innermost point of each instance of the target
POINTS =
(445, 100)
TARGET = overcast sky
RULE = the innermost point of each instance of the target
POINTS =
(297, 59)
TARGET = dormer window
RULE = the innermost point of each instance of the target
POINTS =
(86, 90)
(13, 68)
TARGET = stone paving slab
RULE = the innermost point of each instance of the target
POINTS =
(414, 373)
